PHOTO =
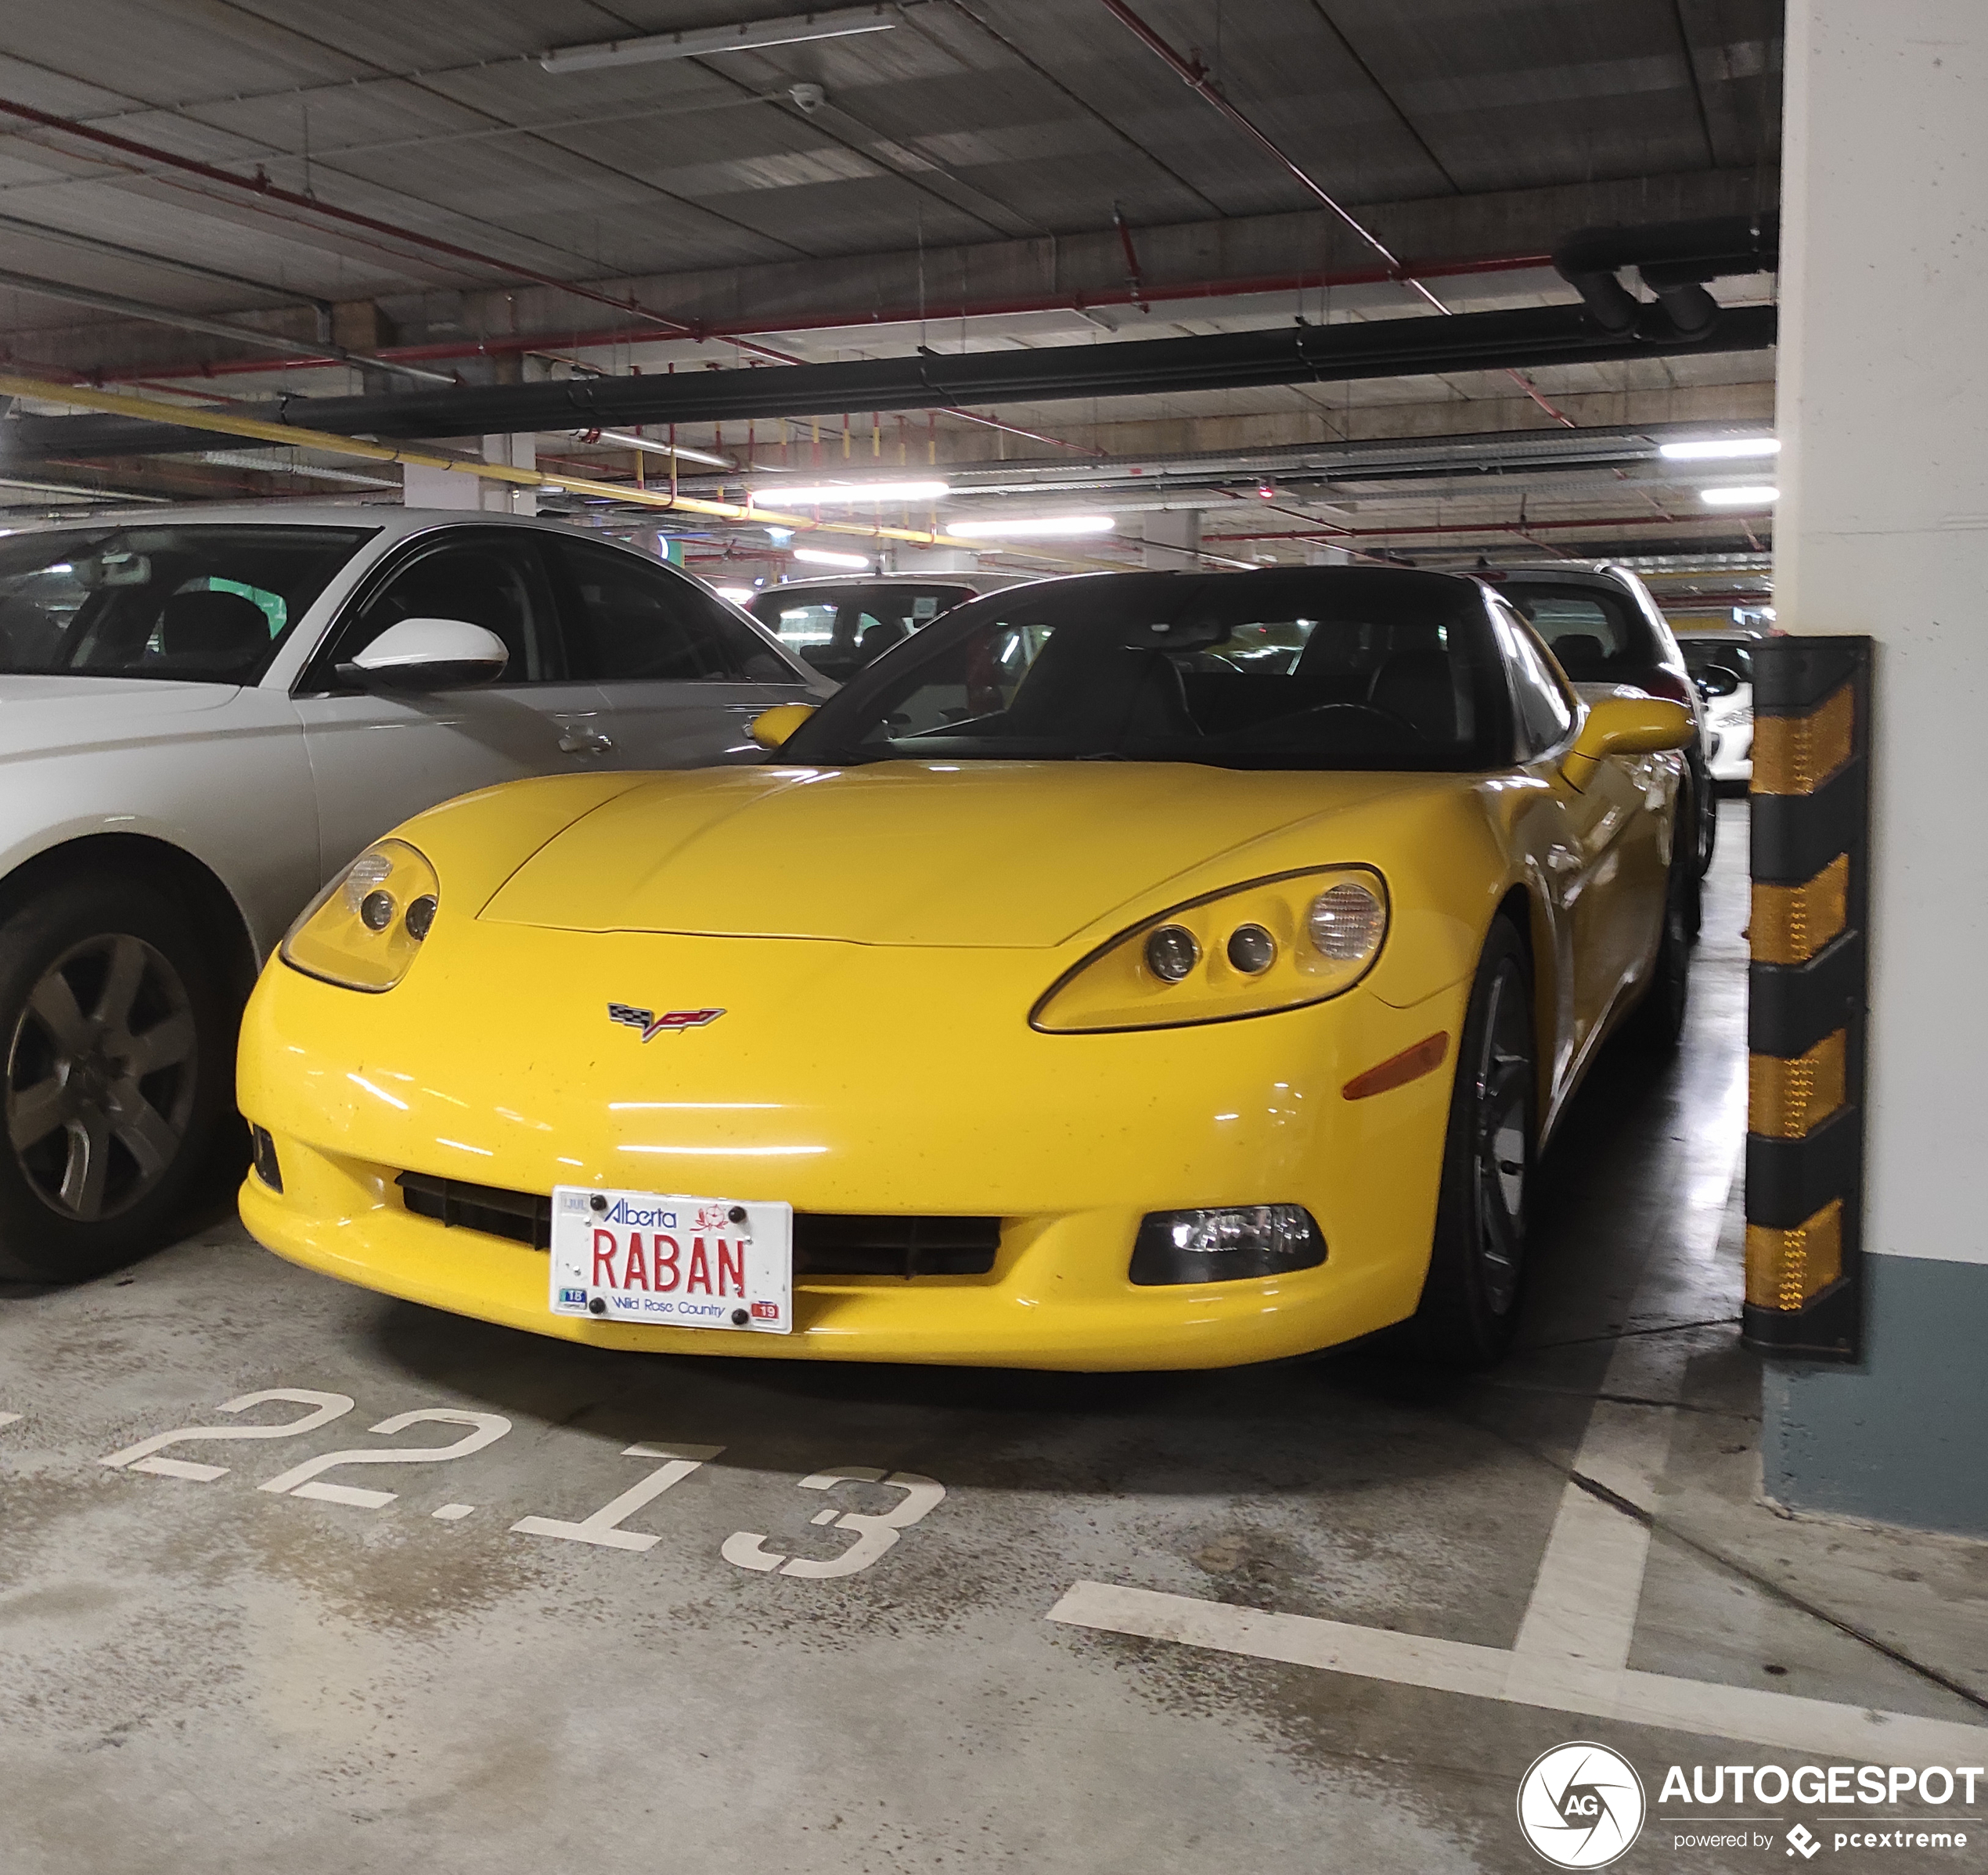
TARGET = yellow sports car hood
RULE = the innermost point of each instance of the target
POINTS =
(1005, 854)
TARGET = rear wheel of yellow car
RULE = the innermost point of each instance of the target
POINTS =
(1469, 1308)
(118, 1056)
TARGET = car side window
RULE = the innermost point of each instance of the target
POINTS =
(1545, 712)
(495, 579)
(639, 621)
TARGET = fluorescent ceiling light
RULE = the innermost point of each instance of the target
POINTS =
(852, 494)
(1043, 527)
(1738, 498)
(820, 556)
(1720, 448)
(701, 42)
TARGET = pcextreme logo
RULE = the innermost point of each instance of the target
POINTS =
(1581, 1805)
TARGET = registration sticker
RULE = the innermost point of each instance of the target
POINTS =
(672, 1262)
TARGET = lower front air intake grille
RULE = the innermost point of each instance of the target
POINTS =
(831, 1244)
(825, 1243)
(520, 1215)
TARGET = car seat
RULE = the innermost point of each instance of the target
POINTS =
(1085, 687)
(1581, 656)
(216, 631)
(1420, 687)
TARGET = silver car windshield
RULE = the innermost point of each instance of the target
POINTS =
(196, 603)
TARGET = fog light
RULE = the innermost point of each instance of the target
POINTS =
(264, 1149)
(1251, 1241)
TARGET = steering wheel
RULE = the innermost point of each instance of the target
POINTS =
(1374, 710)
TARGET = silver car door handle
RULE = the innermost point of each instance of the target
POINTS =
(584, 741)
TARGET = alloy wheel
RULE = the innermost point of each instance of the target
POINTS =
(101, 1077)
(1503, 1090)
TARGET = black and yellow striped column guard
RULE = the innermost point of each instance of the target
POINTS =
(1811, 827)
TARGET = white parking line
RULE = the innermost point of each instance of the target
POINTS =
(1589, 1585)
(7, 1418)
(1781, 1719)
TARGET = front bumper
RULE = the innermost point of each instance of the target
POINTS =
(959, 1111)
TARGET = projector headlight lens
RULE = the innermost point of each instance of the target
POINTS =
(1172, 952)
(354, 933)
(1253, 949)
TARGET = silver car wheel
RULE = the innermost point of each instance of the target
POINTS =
(101, 1077)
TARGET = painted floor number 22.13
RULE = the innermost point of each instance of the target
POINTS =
(874, 1534)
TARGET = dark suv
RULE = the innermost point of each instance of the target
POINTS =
(1603, 625)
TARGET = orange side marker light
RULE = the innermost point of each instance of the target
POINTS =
(1411, 1065)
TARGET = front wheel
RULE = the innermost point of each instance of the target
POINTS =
(117, 1068)
(1469, 1309)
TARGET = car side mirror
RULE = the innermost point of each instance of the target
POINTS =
(428, 654)
(1625, 724)
(773, 728)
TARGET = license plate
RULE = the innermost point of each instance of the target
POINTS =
(672, 1262)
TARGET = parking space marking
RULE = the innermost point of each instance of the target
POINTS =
(7, 1418)
(1589, 1585)
(875, 1533)
(1783, 1719)
(325, 1407)
(604, 1528)
(485, 1429)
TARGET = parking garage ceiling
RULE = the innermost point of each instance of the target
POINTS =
(293, 203)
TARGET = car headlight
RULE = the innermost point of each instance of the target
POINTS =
(1273, 944)
(364, 929)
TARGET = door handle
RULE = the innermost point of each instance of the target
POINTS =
(584, 741)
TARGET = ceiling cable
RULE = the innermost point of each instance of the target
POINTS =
(1192, 72)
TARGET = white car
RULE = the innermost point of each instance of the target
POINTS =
(1723, 669)
(204, 715)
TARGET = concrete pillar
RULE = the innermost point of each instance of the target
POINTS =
(439, 488)
(450, 488)
(933, 560)
(516, 452)
(1173, 539)
(1883, 529)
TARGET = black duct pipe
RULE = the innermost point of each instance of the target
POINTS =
(1379, 348)
(1676, 259)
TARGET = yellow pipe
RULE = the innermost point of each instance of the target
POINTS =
(225, 423)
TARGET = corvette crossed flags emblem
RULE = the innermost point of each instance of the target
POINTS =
(653, 1025)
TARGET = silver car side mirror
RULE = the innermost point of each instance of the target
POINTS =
(428, 654)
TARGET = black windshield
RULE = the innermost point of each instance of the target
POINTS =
(1324, 668)
(204, 603)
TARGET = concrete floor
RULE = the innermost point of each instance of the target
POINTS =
(196, 1674)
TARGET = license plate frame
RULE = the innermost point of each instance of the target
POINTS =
(672, 1260)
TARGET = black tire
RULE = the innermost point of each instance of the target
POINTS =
(118, 1035)
(1471, 1297)
(1657, 1023)
(1711, 841)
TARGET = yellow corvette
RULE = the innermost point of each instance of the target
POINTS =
(1138, 971)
